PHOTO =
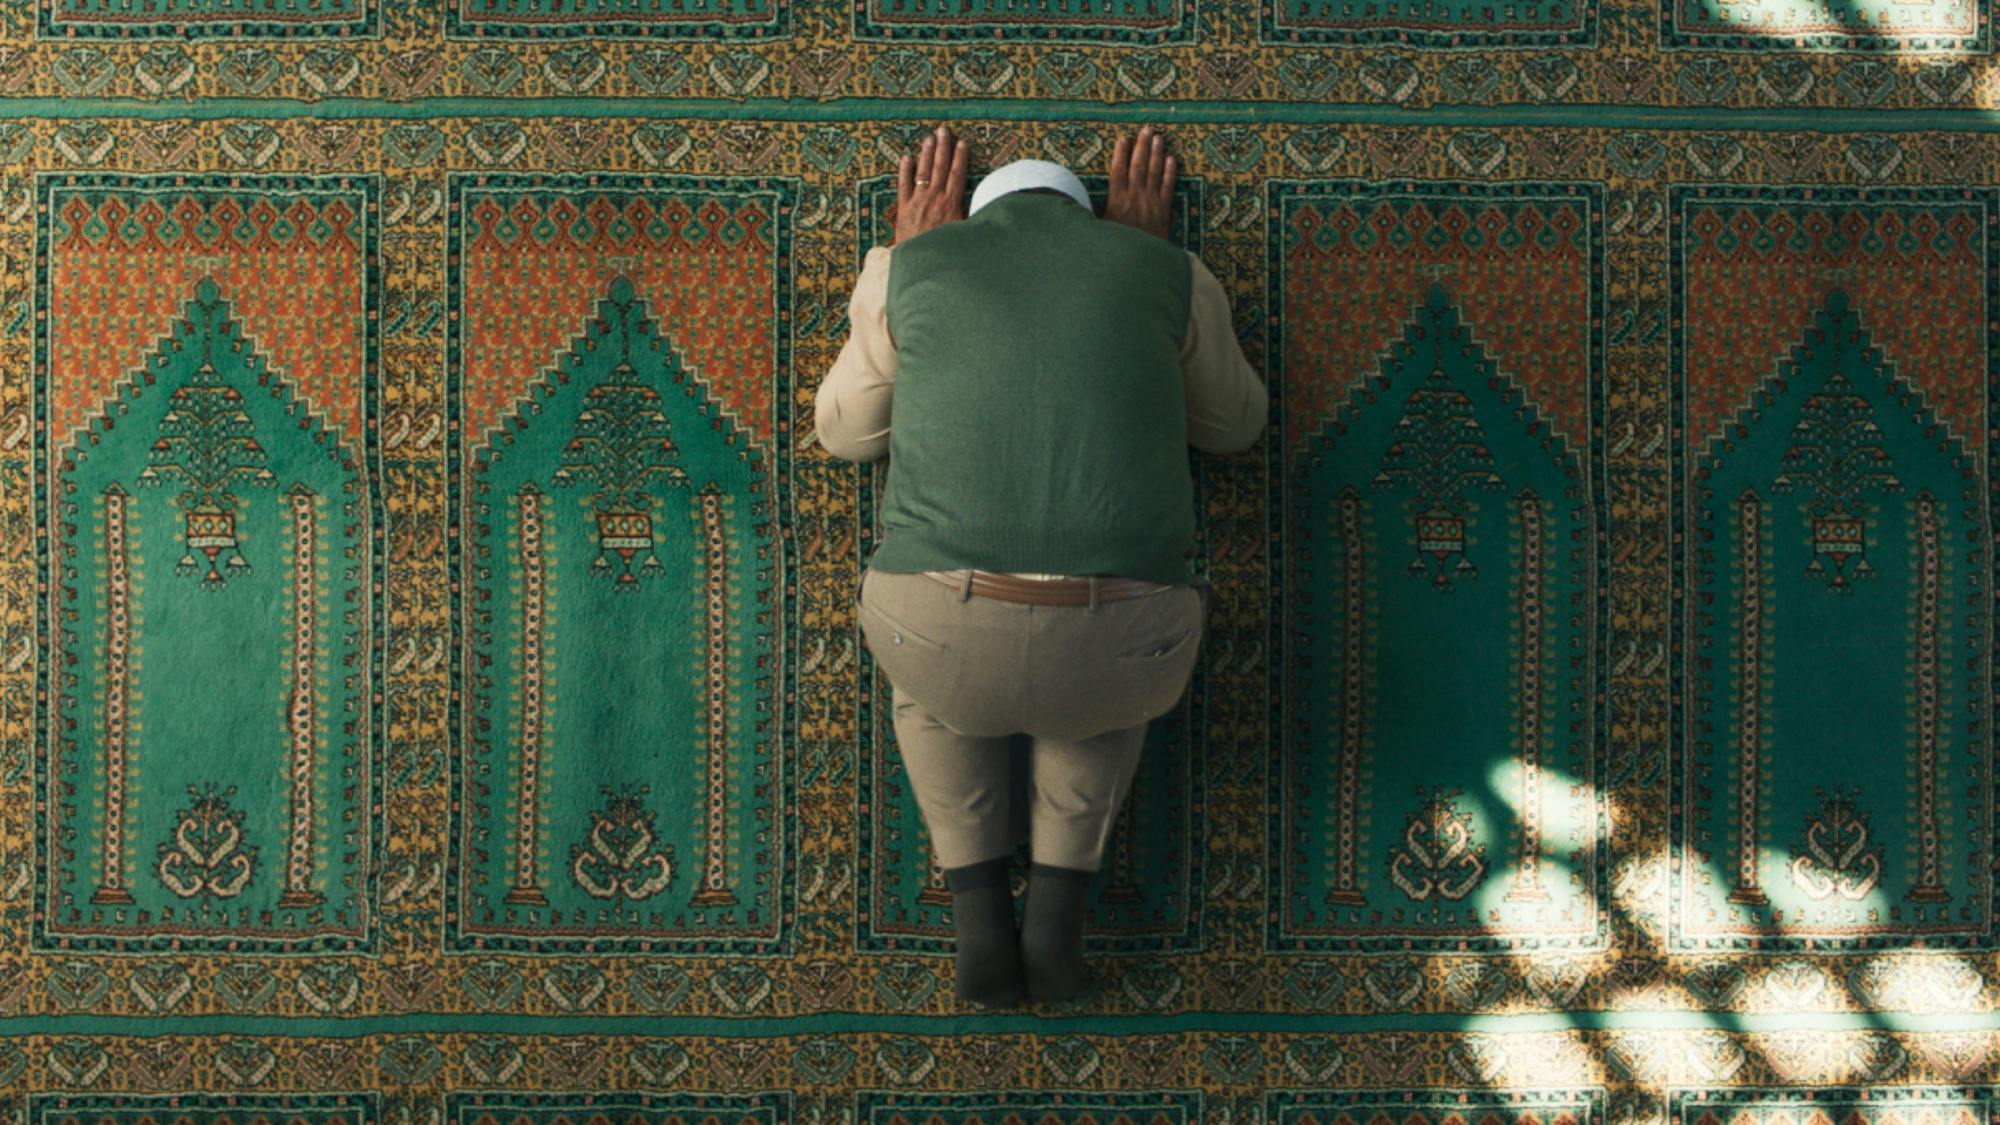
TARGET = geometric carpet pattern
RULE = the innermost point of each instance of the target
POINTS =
(429, 684)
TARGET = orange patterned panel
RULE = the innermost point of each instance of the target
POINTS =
(1527, 305)
(1755, 278)
(290, 266)
(704, 267)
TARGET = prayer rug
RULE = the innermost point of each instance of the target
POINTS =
(429, 683)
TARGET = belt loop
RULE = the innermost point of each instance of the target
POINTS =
(965, 587)
(1093, 593)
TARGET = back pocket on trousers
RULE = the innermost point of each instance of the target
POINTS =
(886, 630)
(1164, 649)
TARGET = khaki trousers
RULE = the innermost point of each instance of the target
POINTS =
(967, 672)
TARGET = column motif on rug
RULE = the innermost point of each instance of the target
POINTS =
(1456, 25)
(182, 19)
(206, 375)
(1130, 22)
(1878, 1104)
(1438, 563)
(1832, 754)
(1547, 1105)
(617, 19)
(623, 624)
(1880, 27)
(236, 1106)
(1147, 894)
(940, 1106)
(667, 1107)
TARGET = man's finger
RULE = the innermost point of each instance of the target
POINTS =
(941, 157)
(1156, 160)
(906, 175)
(924, 160)
(1167, 174)
(1119, 153)
(961, 162)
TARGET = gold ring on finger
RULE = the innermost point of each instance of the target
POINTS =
(923, 183)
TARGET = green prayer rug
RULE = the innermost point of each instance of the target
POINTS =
(429, 683)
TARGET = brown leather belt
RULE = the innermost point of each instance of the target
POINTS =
(1047, 591)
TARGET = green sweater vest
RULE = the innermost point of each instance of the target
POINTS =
(1038, 422)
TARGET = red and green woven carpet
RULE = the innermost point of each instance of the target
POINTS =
(429, 688)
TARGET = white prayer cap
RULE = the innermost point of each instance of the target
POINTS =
(1023, 174)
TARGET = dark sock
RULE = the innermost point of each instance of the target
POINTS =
(989, 952)
(1052, 932)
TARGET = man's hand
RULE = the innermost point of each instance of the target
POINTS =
(1142, 183)
(930, 189)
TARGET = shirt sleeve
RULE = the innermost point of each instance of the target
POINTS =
(1227, 405)
(851, 410)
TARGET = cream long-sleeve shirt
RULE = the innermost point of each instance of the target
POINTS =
(1227, 404)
